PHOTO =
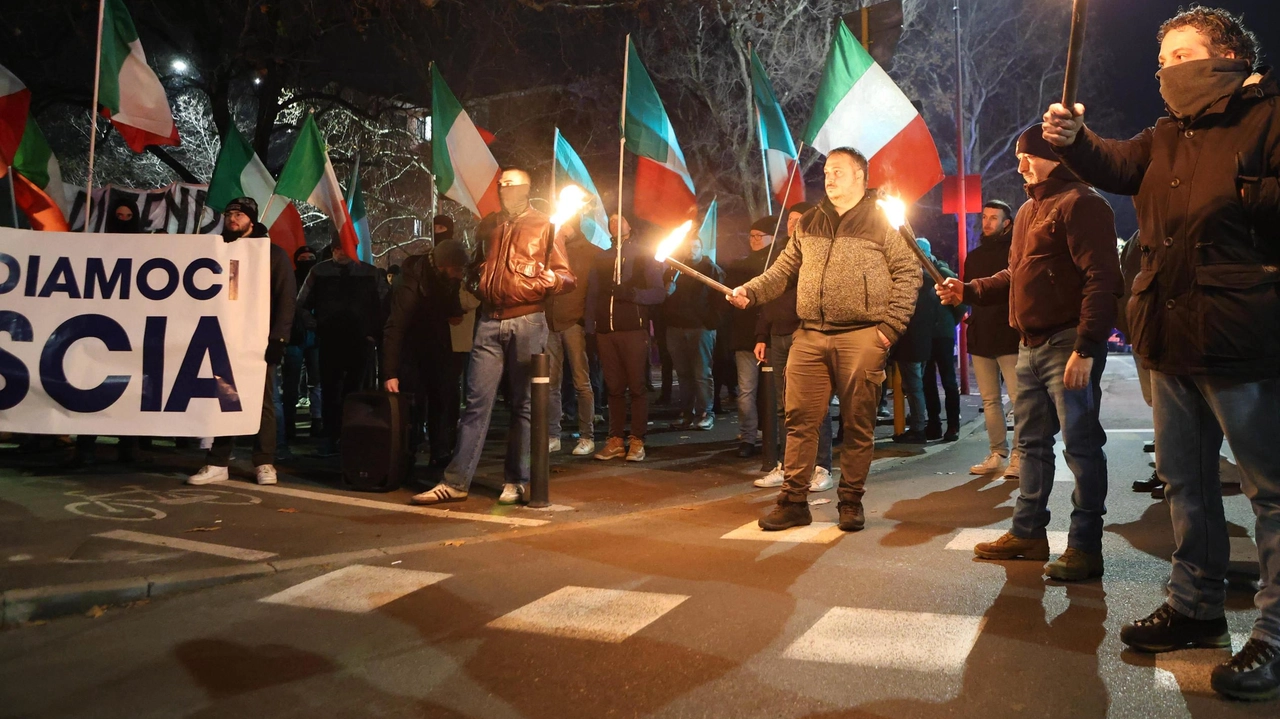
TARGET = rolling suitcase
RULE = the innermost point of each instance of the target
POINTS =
(376, 454)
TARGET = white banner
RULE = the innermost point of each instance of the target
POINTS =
(132, 334)
(178, 209)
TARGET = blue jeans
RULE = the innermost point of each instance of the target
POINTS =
(498, 344)
(1044, 407)
(748, 387)
(1191, 416)
(691, 350)
(571, 345)
(913, 392)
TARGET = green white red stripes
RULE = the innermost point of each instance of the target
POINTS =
(308, 177)
(15, 102)
(129, 92)
(464, 168)
(664, 191)
(775, 139)
(36, 176)
(859, 106)
(240, 173)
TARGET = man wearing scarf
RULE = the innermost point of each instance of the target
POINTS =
(1205, 317)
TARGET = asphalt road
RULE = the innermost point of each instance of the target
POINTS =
(671, 606)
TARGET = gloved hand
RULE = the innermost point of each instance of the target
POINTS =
(275, 352)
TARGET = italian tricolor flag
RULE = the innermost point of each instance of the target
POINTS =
(37, 179)
(775, 140)
(858, 106)
(239, 173)
(460, 159)
(129, 92)
(664, 191)
(308, 177)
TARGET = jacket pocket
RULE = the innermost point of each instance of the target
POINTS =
(1141, 308)
(525, 285)
(1240, 310)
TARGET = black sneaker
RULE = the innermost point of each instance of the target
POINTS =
(1253, 674)
(747, 449)
(852, 518)
(933, 431)
(1148, 485)
(911, 436)
(786, 515)
(952, 435)
(1168, 630)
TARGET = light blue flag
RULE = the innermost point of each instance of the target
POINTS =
(569, 170)
(707, 233)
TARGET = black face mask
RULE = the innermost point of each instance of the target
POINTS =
(119, 226)
(1190, 88)
(514, 198)
(303, 269)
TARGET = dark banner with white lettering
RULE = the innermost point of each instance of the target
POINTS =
(132, 334)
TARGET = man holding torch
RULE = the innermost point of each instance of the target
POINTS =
(856, 283)
(1205, 317)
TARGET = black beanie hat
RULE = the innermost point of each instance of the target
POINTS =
(801, 207)
(767, 225)
(1032, 142)
(247, 205)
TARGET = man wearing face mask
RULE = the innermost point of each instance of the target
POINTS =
(239, 220)
(1205, 318)
(519, 263)
(301, 353)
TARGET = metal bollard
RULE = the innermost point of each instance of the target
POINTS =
(539, 452)
(769, 422)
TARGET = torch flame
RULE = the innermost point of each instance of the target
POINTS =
(572, 200)
(895, 210)
(669, 245)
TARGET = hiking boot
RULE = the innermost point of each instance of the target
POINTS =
(991, 465)
(774, 478)
(1158, 492)
(1014, 470)
(585, 447)
(1168, 630)
(613, 449)
(1148, 485)
(1253, 674)
(1010, 546)
(822, 480)
(1075, 566)
(852, 518)
(786, 515)
(635, 452)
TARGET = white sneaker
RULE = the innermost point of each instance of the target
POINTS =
(1014, 470)
(822, 480)
(992, 464)
(438, 494)
(553, 446)
(209, 474)
(512, 493)
(585, 447)
(266, 474)
(772, 479)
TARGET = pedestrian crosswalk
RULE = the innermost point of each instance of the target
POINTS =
(604, 615)
(885, 639)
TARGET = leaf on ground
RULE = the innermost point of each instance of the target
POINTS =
(453, 543)
(96, 611)
(816, 502)
(202, 529)
(688, 509)
(287, 510)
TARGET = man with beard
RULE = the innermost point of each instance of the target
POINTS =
(993, 344)
(520, 262)
(1205, 318)
(240, 219)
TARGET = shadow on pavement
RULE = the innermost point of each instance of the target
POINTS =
(973, 504)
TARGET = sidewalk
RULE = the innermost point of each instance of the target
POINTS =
(110, 534)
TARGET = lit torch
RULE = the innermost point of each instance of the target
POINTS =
(669, 245)
(895, 210)
(571, 201)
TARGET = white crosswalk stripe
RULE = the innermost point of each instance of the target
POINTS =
(603, 615)
(358, 588)
(964, 541)
(816, 533)
(884, 639)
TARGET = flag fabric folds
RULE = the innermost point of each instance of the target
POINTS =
(664, 191)
(569, 170)
(359, 217)
(859, 106)
(129, 92)
(36, 177)
(464, 168)
(240, 173)
(15, 103)
(775, 139)
(707, 232)
(308, 177)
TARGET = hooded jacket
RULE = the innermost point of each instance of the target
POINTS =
(1063, 268)
(520, 264)
(1207, 298)
(988, 332)
(852, 271)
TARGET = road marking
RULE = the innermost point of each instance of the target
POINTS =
(388, 507)
(220, 550)
(964, 541)
(357, 589)
(914, 641)
(602, 615)
(816, 533)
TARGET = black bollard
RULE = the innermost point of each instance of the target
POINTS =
(539, 451)
(769, 422)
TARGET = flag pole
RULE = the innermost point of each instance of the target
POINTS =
(764, 153)
(93, 117)
(13, 198)
(435, 209)
(555, 141)
(786, 195)
(622, 154)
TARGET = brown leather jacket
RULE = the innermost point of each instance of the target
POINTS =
(519, 264)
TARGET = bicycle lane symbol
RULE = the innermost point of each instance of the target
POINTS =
(135, 503)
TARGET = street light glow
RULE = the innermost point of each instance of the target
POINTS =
(179, 65)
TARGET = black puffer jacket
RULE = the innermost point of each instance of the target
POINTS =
(989, 333)
(1208, 195)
